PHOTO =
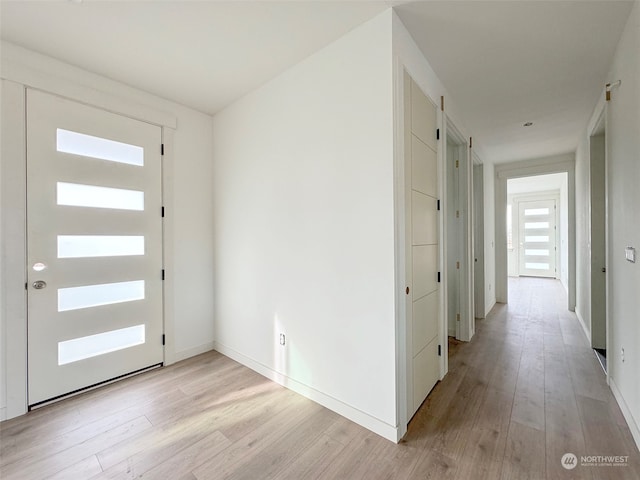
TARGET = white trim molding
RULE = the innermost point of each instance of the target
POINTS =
(626, 412)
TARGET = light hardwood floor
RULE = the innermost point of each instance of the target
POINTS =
(525, 391)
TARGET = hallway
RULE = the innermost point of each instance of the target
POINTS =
(524, 392)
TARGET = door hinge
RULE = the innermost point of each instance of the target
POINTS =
(458, 265)
(457, 163)
(163, 338)
(442, 103)
(457, 213)
(457, 317)
(162, 212)
(438, 204)
(162, 149)
(437, 134)
(470, 142)
(26, 285)
(438, 277)
(163, 274)
(439, 350)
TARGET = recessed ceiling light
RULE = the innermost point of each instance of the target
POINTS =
(528, 124)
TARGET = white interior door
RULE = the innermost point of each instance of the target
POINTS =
(537, 233)
(422, 300)
(94, 233)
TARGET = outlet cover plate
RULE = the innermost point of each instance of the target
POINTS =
(630, 254)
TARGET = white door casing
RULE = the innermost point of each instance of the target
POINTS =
(94, 222)
(423, 299)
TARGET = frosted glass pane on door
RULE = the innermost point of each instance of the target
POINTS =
(74, 298)
(536, 251)
(534, 238)
(536, 211)
(100, 148)
(93, 345)
(82, 246)
(78, 195)
(536, 225)
(537, 266)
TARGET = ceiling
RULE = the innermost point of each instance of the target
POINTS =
(504, 62)
(202, 54)
(510, 62)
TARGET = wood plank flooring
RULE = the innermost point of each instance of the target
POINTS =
(523, 393)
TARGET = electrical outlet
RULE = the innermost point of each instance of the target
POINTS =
(282, 339)
(630, 254)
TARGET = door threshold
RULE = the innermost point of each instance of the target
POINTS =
(80, 391)
(601, 355)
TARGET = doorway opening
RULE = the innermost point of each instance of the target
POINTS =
(597, 234)
(478, 239)
(537, 227)
(459, 237)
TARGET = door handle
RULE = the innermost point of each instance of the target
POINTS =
(39, 284)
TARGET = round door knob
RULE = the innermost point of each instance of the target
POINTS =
(39, 284)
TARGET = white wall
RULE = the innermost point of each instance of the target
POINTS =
(304, 228)
(187, 189)
(623, 170)
(489, 236)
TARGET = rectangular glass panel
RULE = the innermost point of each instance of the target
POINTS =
(535, 251)
(533, 238)
(99, 344)
(101, 148)
(536, 211)
(74, 298)
(79, 246)
(537, 266)
(78, 195)
(536, 225)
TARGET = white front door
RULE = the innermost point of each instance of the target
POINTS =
(94, 233)
(537, 235)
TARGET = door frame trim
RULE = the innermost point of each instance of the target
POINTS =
(403, 352)
(466, 329)
(600, 113)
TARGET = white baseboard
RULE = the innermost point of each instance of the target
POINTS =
(361, 418)
(491, 305)
(3, 414)
(583, 325)
(193, 351)
(633, 426)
